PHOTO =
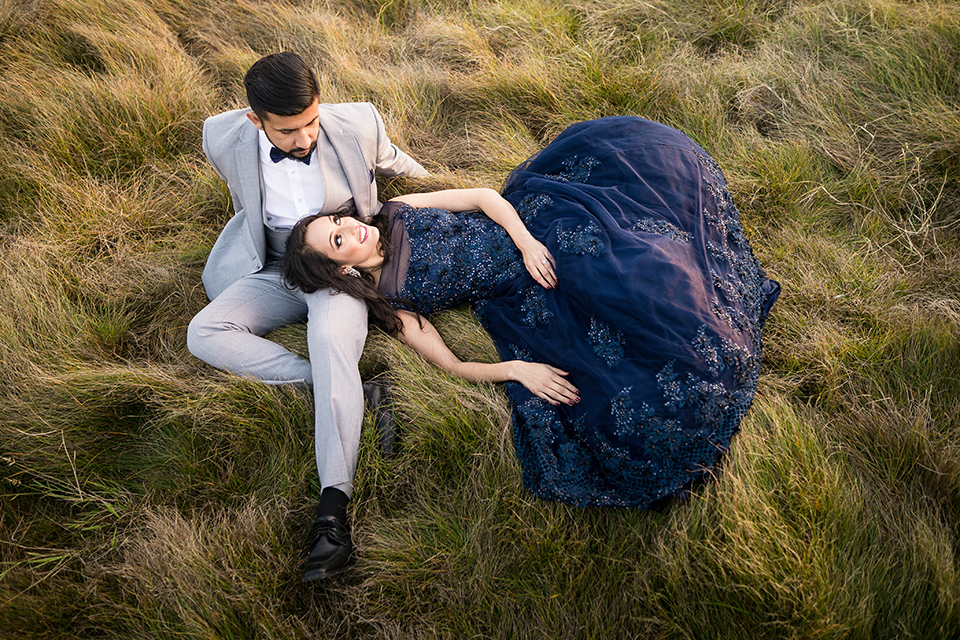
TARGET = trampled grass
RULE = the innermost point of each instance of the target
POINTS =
(147, 495)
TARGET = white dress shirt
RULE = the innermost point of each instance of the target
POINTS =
(291, 189)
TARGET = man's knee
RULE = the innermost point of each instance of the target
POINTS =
(203, 329)
(197, 332)
(337, 325)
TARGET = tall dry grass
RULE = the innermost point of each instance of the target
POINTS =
(146, 495)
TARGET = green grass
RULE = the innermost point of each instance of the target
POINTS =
(147, 495)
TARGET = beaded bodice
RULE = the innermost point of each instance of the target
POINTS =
(441, 259)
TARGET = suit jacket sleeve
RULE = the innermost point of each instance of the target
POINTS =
(390, 160)
(208, 151)
(230, 144)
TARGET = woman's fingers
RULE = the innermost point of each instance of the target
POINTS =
(542, 266)
(544, 274)
(549, 276)
(559, 389)
(549, 268)
(565, 393)
(547, 383)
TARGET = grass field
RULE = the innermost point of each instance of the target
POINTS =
(146, 495)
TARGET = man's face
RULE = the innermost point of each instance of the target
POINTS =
(297, 135)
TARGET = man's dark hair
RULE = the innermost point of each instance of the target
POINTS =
(281, 84)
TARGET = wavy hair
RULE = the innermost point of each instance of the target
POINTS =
(309, 270)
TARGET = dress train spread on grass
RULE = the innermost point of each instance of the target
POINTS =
(657, 316)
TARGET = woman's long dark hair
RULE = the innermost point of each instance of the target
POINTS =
(307, 269)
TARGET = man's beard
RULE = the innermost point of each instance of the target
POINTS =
(295, 154)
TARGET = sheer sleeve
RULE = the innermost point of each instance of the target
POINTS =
(394, 272)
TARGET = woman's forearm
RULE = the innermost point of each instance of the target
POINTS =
(544, 381)
(487, 200)
(423, 338)
(482, 371)
(503, 213)
(536, 257)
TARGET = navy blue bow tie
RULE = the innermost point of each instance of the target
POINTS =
(277, 155)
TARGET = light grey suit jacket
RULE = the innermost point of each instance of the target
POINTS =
(230, 140)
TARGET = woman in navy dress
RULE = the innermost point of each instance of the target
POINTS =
(618, 286)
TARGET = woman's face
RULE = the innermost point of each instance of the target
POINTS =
(345, 240)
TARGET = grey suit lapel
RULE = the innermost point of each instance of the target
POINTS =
(248, 172)
(359, 176)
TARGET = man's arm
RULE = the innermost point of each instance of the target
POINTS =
(208, 142)
(391, 161)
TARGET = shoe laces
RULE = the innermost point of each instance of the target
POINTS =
(333, 529)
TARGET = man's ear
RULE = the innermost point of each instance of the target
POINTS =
(255, 119)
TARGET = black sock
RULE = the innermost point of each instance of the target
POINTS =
(333, 502)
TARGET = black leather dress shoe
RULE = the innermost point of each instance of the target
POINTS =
(331, 549)
(376, 394)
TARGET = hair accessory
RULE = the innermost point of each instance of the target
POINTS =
(350, 271)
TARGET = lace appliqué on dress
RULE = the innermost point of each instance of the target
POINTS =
(662, 228)
(728, 355)
(582, 240)
(742, 289)
(534, 307)
(531, 205)
(575, 169)
(607, 342)
(520, 353)
(716, 408)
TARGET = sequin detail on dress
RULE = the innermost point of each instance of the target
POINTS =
(455, 258)
(662, 228)
(575, 169)
(584, 240)
(531, 205)
(535, 311)
(607, 341)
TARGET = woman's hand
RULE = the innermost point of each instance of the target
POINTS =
(539, 262)
(536, 257)
(545, 382)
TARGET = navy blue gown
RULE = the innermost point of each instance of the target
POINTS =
(657, 316)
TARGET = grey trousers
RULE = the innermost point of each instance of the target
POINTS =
(227, 334)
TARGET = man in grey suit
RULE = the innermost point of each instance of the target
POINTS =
(287, 157)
